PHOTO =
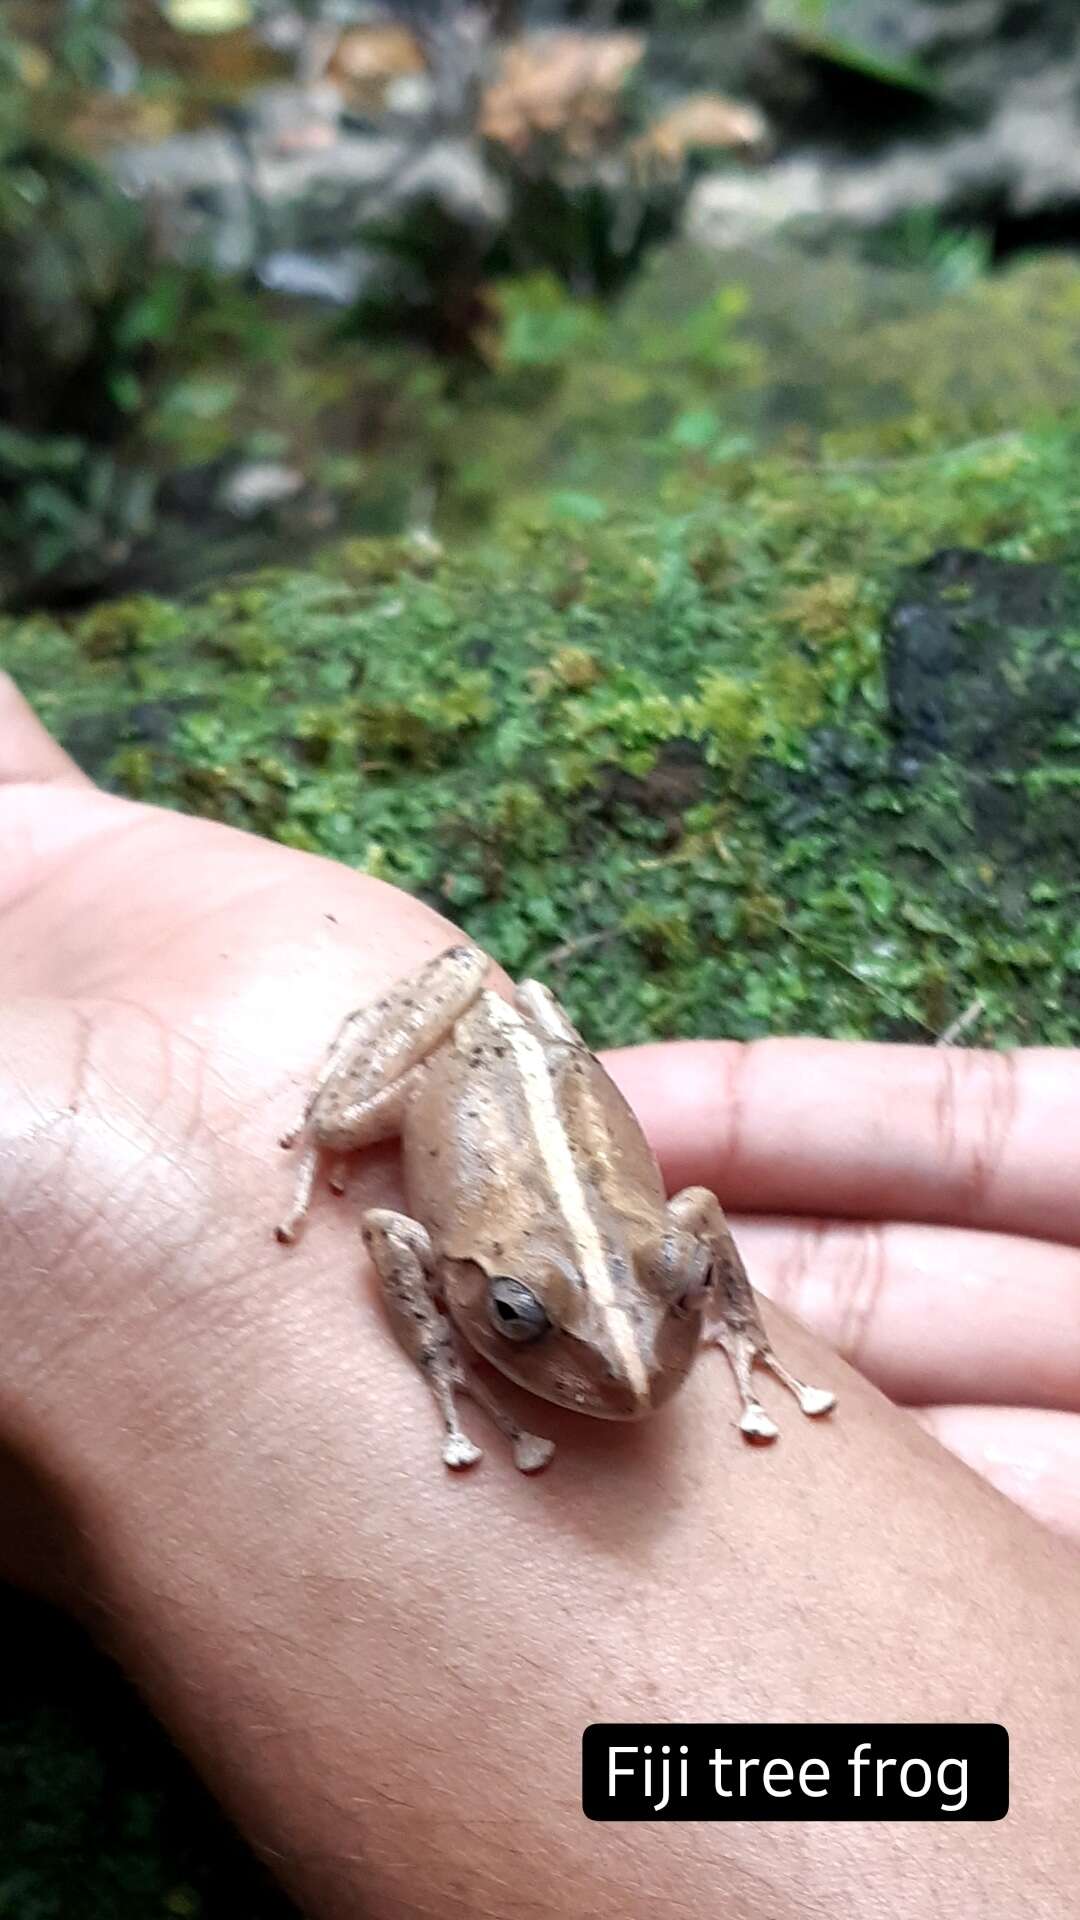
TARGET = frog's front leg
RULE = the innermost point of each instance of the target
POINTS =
(363, 1085)
(732, 1318)
(538, 1005)
(405, 1263)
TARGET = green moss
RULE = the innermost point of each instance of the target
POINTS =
(118, 628)
(728, 716)
(590, 738)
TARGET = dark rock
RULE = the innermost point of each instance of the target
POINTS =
(955, 681)
(979, 678)
(678, 780)
(153, 722)
(94, 737)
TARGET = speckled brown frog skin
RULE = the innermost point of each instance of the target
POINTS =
(538, 1234)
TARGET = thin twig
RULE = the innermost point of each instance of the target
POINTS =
(558, 956)
(964, 448)
(963, 1023)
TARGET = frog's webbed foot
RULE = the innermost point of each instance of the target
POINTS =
(404, 1260)
(733, 1322)
(364, 1083)
(744, 1345)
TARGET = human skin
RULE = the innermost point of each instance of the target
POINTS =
(220, 1460)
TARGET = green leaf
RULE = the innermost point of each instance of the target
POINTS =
(543, 325)
(696, 430)
(924, 919)
(583, 507)
(877, 889)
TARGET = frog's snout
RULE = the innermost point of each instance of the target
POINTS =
(628, 1393)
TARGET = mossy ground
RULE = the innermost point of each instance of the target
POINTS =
(633, 734)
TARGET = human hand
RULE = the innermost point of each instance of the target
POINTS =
(166, 986)
(919, 1208)
(252, 1512)
(169, 982)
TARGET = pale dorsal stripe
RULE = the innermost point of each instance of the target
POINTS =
(554, 1150)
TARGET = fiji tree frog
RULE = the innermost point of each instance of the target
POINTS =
(538, 1234)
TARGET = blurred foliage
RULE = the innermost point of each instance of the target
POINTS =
(89, 39)
(82, 310)
(592, 231)
(68, 514)
(541, 325)
(84, 317)
(851, 35)
(82, 324)
(99, 367)
(956, 257)
(99, 1818)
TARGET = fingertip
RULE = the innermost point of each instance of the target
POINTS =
(28, 753)
(1030, 1454)
(961, 1136)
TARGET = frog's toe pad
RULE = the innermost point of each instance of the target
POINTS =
(460, 1452)
(531, 1453)
(816, 1400)
(756, 1425)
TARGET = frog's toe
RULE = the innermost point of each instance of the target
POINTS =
(531, 1453)
(756, 1424)
(816, 1400)
(460, 1451)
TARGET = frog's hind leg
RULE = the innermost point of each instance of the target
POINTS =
(374, 1062)
(366, 1122)
(733, 1322)
(376, 1044)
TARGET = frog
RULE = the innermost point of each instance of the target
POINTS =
(537, 1235)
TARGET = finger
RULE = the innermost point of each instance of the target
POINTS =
(874, 1132)
(27, 752)
(1032, 1458)
(931, 1315)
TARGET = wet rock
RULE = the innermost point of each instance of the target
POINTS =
(335, 278)
(981, 675)
(258, 486)
(1023, 164)
(291, 179)
(964, 52)
(969, 110)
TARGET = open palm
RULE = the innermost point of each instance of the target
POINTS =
(166, 985)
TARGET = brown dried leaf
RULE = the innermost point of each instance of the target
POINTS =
(367, 60)
(563, 85)
(703, 121)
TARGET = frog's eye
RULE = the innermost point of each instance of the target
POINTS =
(515, 1310)
(686, 1272)
(694, 1296)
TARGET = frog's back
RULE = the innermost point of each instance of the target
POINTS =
(510, 1120)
